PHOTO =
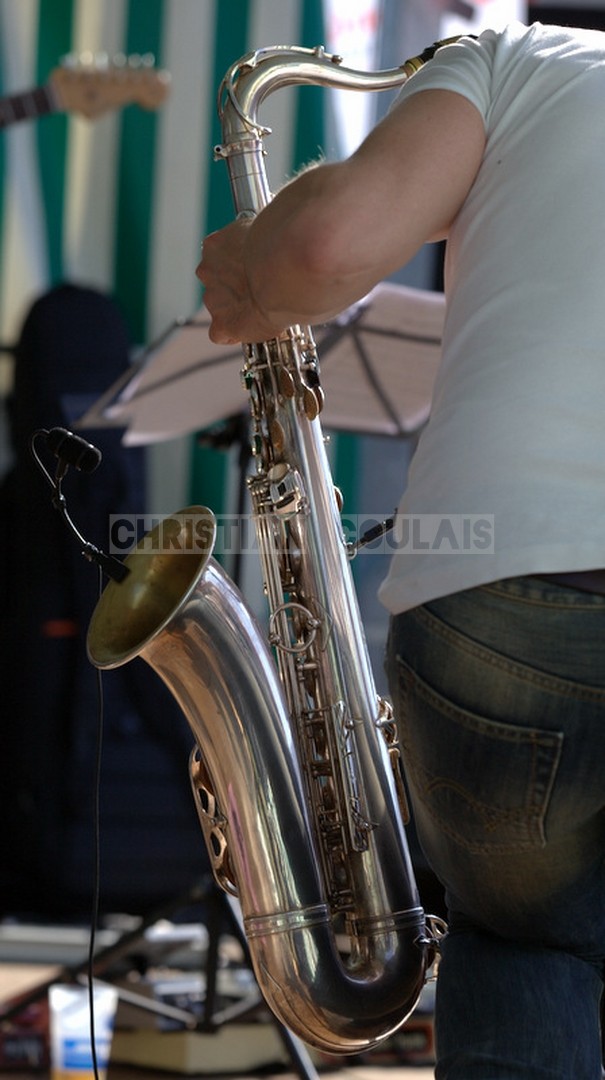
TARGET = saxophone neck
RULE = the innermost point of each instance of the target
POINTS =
(256, 75)
(252, 79)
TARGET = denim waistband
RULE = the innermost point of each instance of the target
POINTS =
(584, 580)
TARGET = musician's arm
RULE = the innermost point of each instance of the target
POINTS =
(337, 230)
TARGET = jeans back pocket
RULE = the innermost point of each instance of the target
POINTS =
(484, 783)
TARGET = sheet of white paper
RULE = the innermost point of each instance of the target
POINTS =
(377, 367)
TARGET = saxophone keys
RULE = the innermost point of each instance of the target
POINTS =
(313, 401)
(286, 383)
(285, 490)
(397, 767)
(278, 438)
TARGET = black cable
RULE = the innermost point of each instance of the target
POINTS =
(96, 882)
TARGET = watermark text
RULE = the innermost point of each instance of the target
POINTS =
(245, 534)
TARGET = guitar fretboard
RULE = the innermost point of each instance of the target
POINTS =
(26, 106)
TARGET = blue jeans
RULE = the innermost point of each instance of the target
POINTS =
(499, 694)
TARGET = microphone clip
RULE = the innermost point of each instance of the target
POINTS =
(113, 568)
(70, 449)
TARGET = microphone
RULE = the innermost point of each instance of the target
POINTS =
(70, 449)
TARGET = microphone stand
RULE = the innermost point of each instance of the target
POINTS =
(113, 568)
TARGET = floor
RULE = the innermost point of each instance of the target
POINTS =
(367, 1072)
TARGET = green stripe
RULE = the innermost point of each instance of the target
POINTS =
(136, 175)
(208, 466)
(308, 146)
(345, 468)
(230, 42)
(309, 116)
(55, 22)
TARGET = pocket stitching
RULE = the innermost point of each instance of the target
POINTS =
(531, 815)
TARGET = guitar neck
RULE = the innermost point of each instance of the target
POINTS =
(27, 105)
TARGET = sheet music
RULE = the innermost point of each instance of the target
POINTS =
(378, 363)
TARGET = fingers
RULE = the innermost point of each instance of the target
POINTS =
(234, 315)
(221, 337)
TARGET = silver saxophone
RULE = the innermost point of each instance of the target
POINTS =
(296, 769)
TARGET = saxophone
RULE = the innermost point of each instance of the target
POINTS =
(296, 769)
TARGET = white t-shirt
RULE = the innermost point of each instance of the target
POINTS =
(509, 474)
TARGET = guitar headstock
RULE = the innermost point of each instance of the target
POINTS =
(91, 84)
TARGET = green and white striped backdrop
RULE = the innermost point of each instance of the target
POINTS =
(121, 202)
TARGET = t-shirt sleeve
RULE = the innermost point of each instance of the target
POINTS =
(464, 67)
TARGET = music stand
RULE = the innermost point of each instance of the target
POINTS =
(378, 363)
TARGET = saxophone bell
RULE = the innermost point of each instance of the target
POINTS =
(178, 611)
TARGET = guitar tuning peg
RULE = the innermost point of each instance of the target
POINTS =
(138, 60)
(90, 84)
(101, 61)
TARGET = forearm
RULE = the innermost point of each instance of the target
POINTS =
(300, 258)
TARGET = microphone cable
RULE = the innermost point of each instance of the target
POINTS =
(72, 450)
(96, 842)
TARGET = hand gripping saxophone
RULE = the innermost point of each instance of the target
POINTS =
(296, 771)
